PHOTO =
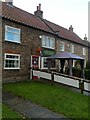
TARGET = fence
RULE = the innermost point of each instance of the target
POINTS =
(83, 85)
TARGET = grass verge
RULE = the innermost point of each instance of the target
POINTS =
(8, 113)
(58, 99)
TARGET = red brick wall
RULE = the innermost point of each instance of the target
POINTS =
(30, 41)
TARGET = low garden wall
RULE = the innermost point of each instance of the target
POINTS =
(83, 85)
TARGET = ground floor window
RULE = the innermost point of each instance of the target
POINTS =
(11, 61)
(44, 62)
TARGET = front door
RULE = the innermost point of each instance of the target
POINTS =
(35, 61)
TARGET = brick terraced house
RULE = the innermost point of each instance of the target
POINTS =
(27, 40)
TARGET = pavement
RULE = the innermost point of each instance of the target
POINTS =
(27, 108)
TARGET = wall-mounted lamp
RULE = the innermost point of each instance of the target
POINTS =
(40, 36)
(67, 45)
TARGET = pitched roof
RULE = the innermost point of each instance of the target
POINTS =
(21, 16)
(15, 14)
(65, 33)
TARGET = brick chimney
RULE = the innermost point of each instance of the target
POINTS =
(71, 28)
(85, 38)
(38, 12)
(10, 2)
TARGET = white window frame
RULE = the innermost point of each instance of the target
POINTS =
(62, 46)
(17, 33)
(5, 58)
(48, 42)
(42, 63)
(84, 51)
(72, 48)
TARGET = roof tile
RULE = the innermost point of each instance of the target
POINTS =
(21, 16)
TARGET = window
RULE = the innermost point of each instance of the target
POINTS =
(84, 51)
(72, 48)
(48, 42)
(12, 61)
(12, 34)
(62, 46)
(45, 63)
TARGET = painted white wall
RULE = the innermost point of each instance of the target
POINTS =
(66, 81)
(87, 86)
(61, 79)
(42, 74)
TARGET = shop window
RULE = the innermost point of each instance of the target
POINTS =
(45, 63)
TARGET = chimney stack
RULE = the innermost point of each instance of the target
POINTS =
(38, 12)
(85, 38)
(71, 28)
(10, 2)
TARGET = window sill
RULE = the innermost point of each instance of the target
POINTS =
(11, 68)
(48, 47)
(12, 41)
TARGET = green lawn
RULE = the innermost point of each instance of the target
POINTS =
(58, 99)
(8, 113)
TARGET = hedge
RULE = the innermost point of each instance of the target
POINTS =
(87, 74)
(77, 73)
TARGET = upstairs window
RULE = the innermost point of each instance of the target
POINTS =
(84, 51)
(48, 42)
(72, 48)
(11, 61)
(12, 34)
(62, 46)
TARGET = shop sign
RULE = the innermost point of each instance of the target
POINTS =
(46, 52)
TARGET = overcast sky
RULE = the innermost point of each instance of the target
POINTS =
(61, 12)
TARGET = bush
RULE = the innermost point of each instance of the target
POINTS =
(88, 65)
(87, 74)
(77, 64)
(77, 72)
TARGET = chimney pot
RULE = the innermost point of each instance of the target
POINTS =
(71, 28)
(39, 6)
(85, 38)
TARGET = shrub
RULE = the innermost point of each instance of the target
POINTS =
(77, 64)
(76, 72)
(87, 74)
(88, 65)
